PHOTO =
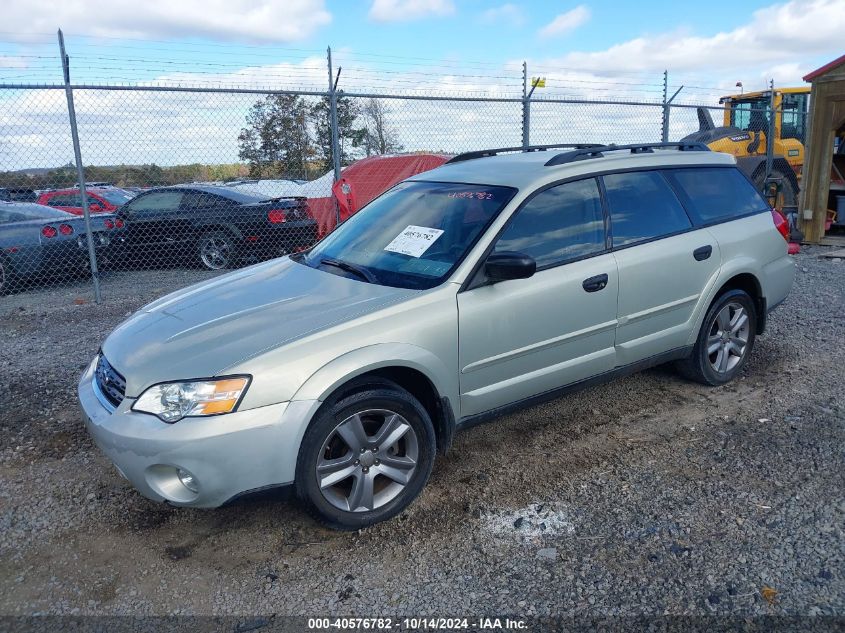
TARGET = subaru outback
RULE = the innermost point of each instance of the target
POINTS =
(499, 280)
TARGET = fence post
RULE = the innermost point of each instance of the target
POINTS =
(80, 170)
(333, 124)
(770, 132)
(526, 108)
(664, 134)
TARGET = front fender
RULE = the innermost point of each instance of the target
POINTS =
(372, 357)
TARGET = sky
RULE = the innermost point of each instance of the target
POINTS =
(592, 49)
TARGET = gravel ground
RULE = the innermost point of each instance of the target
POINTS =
(650, 495)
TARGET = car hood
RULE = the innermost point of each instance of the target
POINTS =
(202, 330)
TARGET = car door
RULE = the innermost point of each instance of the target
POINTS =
(664, 264)
(69, 202)
(151, 218)
(522, 337)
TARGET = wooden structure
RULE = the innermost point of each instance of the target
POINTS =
(827, 119)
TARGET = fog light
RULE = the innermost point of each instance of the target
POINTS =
(187, 480)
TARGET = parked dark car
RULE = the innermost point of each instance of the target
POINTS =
(17, 194)
(38, 242)
(215, 227)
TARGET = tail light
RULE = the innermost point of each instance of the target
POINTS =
(781, 224)
(277, 216)
(49, 231)
(65, 229)
(118, 223)
(109, 224)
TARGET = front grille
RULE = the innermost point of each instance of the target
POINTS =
(111, 384)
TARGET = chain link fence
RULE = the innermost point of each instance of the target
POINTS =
(214, 179)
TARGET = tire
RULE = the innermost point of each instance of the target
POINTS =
(216, 250)
(721, 352)
(788, 196)
(345, 478)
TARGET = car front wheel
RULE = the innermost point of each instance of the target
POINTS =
(366, 457)
(725, 340)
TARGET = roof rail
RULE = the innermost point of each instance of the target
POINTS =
(637, 148)
(484, 153)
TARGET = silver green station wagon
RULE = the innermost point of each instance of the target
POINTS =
(499, 280)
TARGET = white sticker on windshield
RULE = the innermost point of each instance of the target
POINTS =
(414, 240)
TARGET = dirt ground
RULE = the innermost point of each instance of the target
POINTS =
(650, 495)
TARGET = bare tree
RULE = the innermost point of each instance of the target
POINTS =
(380, 137)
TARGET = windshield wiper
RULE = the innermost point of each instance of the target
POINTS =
(350, 268)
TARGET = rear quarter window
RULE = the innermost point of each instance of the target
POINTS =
(716, 194)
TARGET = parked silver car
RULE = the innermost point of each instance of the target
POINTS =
(496, 281)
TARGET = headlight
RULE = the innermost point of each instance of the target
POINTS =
(172, 401)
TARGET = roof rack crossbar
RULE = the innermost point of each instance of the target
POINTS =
(484, 153)
(636, 148)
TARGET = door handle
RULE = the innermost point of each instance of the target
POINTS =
(702, 253)
(594, 284)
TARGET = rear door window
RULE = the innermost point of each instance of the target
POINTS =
(642, 207)
(157, 201)
(559, 224)
(716, 194)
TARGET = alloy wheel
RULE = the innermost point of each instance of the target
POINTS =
(215, 252)
(728, 337)
(367, 460)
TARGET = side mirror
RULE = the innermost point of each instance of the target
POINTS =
(509, 265)
(95, 207)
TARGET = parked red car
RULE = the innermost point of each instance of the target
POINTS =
(99, 200)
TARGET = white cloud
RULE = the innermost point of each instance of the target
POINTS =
(406, 10)
(509, 13)
(12, 61)
(776, 34)
(566, 22)
(173, 128)
(241, 20)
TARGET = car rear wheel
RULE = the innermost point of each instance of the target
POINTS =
(365, 458)
(725, 340)
(216, 250)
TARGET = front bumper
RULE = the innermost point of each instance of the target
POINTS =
(227, 454)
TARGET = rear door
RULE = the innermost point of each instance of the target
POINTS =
(665, 264)
(522, 337)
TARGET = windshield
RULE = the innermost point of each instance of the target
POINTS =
(413, 236)
(750, 115)
(117, 198)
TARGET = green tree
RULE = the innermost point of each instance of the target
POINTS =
(349, 136)
(276, 141)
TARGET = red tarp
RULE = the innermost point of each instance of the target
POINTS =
(365, 180)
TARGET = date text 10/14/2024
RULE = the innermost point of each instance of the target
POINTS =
(417, 624)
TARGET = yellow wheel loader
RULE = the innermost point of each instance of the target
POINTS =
(747, 123)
